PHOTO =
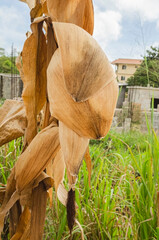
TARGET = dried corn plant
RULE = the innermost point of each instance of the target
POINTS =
(66, 73)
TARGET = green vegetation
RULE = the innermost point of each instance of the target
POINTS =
(148, 72)
(7, 63)
(122, 201)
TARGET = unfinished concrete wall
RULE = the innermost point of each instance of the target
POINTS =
(143, 96)
(10, 86)
(121, 97)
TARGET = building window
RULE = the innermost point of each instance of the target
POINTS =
(123, 66)
(136, 66)
(155, 102)
(122, 78)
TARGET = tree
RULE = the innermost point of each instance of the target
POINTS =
(148, 72)
(7, 65)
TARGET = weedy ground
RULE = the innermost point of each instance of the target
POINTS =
(122, 200)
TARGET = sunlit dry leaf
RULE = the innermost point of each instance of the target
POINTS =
(44, 7)
(79, 12)
(58, 169)
(92, 118)
(34, 68)
(35, 158)
(62, 194)
(12, 121)
(73, 148)
(88, 24)
(85, 66)
(37, 11)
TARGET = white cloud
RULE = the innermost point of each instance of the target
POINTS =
(107, 26)
(148, 10)
(13, 28)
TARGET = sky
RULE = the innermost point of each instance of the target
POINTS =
(123, 28)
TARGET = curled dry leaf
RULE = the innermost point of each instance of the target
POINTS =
(12, 121)
(25, 196)
(85, 66)
(92, 118)
(34, 68)
(35, 158)
(79, 12)
(37, 11)
(58, 169)
(73, 148)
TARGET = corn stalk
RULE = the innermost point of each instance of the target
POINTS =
(66, 73)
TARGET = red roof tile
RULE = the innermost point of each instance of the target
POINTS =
(127, 61)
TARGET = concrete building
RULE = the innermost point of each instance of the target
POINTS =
(144, 96)
(125, 68)
(136, 111)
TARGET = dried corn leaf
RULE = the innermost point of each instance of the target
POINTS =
(26, 194)
(51, 43)
(85, 66)
(12, 121)
(34, 69)
(79, 12)
(73, 148)
(44, 7)
(58, 175)
(58, 169)
(23, 222)
(2, 194)
(88, 24)
(38, 212)
(26, 233)
(62, 194)
(12, 195)
(92, 118)
(37, 11)
(89, 165)
(14, 215)
(49, 172)
(34, 160)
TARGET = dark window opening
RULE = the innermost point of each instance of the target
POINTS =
(156, 102)
(123, 66)
(122, 78)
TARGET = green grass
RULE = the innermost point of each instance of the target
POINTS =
(122, 200)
